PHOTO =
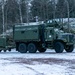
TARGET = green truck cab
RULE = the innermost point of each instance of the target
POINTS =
(40, 36)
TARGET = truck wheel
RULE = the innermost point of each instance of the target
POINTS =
(32, 48)
(41, 50)
(9, 50)
(22, 48)
(59, 47)
(5, 50)
(0, 50)
(70, 48)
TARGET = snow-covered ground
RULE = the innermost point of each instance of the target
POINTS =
(48, 63)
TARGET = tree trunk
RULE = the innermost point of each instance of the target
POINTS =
(3, 16)
(21, 19)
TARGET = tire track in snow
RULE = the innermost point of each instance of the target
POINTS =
(37, 73)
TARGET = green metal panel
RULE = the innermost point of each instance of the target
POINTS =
(26, 33)
(49, 34)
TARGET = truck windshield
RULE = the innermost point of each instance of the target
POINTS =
(58, 31)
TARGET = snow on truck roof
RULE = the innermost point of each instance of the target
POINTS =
(29, 24)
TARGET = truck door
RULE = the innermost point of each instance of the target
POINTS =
(49, 34)
(41, 32)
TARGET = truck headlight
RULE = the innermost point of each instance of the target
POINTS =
(50, 36)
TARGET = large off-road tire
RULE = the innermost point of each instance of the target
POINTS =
(32, 48)
(22, 48)
(59, 47)
(4, 50)
(9, 49)
(0, 50)
(41, 50)
(70, 48)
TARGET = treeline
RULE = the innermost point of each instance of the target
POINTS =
(21, 11)
(49, 9)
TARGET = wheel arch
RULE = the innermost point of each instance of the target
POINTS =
(61, 41)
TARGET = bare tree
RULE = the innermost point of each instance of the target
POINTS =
(27, 12)
(3, 16)
(20, 11)
(68, 14)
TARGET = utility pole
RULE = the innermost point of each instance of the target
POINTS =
(3, 16)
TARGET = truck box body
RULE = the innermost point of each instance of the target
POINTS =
(26, 33)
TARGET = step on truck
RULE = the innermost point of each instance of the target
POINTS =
(41, 36)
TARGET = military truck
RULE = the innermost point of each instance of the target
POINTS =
(6, 42)
(40, 36)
